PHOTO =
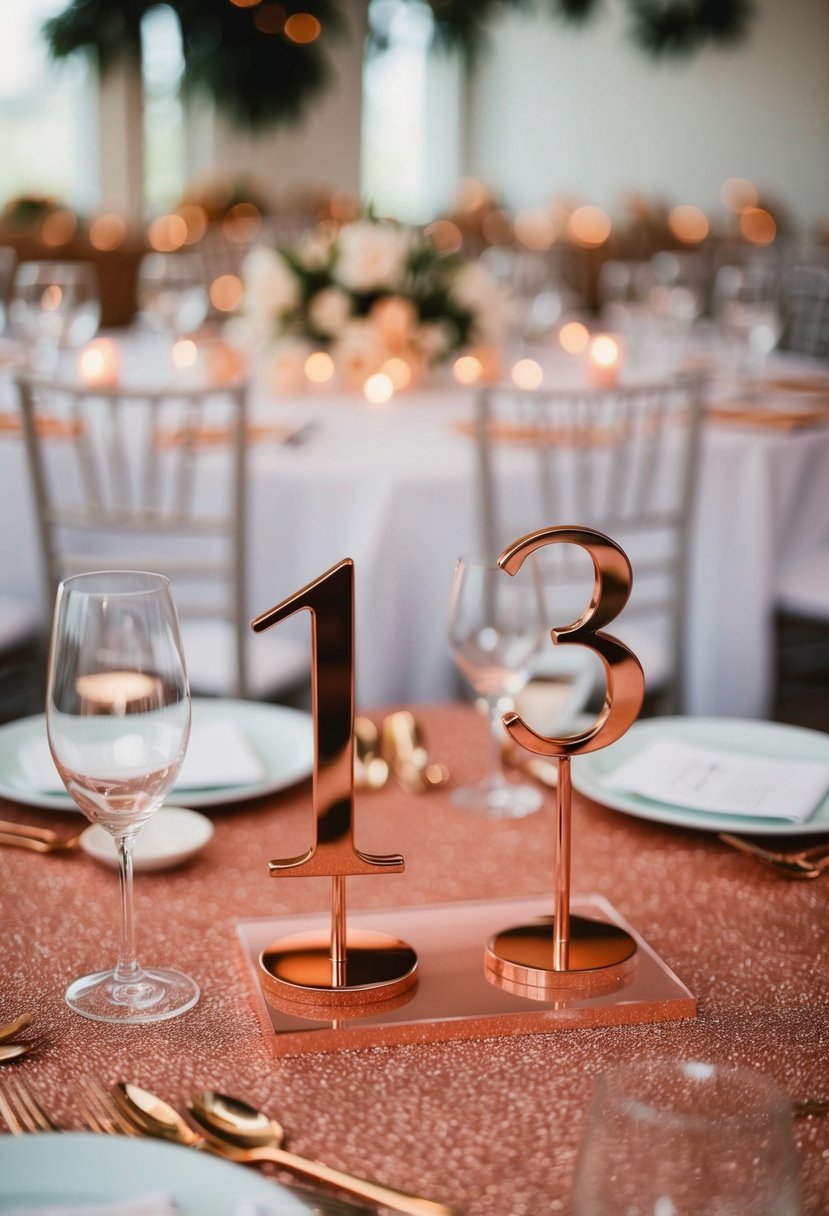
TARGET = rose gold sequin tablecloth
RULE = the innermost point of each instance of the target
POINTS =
(489, 1125)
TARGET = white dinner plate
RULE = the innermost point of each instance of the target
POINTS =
(172, 836)
(281, 737)
(771, 740)
(76, 1168)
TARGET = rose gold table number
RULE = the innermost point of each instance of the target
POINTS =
(342, 968)
(563, 953)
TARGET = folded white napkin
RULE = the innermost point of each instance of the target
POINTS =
(218, 754)
(729, 783)
(142, 1205)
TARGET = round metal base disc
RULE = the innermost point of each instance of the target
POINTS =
(298, 969)
(601, 957)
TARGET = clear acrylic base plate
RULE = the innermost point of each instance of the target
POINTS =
(453, 997)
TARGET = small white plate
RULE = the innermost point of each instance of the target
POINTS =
(168, 838)
(745, 735)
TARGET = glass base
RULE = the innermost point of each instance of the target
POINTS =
(151, 996)
(494, 799)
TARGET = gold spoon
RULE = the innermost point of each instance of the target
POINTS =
(409, 760)
(58, 845)
(371, 772)
(12, 1028)
(13, 1051)
(241, 1128)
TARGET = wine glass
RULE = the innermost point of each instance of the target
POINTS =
(687, 1138)
(496, 626)
(54, 305)
(118, 719)
(172, 292)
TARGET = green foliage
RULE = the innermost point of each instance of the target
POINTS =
(259, 78)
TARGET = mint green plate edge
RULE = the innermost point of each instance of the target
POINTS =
(749, 736)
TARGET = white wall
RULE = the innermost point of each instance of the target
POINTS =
(581, 111)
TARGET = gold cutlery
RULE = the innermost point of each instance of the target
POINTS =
(402, 745)
(14, 1027)
(13, 1051)
(371, 771)
(801, 863)
(42, 840)
(226, 1126)
(23, 1110)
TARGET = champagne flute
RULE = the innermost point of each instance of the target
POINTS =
(687, 1138)
(496, 626)
(118, 719)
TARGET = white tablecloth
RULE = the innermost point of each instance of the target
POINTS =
(394, 488)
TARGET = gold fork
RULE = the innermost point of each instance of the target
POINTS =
(22, 1110)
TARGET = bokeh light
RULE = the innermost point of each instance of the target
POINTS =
(737, 193)
(527, 374)
(758, 226)
(108, 231)
(445, 236)
(269, 19)
(319, 367)
(167, 233)
(195, 219)
(467, 369)
(184, 353)
(242, 223)
(378, 389)
(688, 223)
(398, 371)
(536, 228)
(604, 350)
(226, 292)
(302, 28)
(58, 227)
(574, 337)
(589, 227)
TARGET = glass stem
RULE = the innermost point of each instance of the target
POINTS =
(127, 967)
(496, 739)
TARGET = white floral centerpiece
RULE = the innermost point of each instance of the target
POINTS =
(368, 292)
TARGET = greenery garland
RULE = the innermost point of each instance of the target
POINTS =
(241, 53)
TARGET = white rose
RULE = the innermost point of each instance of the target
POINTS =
(435, 339)
(314, 249)
(328, 311)
(475, 290)
(371, 257)
(271, 287)
(359, 352)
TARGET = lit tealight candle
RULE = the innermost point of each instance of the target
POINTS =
(573, 337)
(604, 361)
(114, 691)
(99, 363)
(378, 389)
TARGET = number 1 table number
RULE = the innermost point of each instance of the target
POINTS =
(559, 953)
(343, 968)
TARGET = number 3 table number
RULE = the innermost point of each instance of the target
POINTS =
(564, 953)
(344, 968)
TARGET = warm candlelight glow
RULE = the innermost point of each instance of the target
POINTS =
(302, 28)
(536, 228)
(242, 223)
(52, 298)
(116, 690)
(604, 361)
(467, 369)
(378, 388)
(107, 232)
(58, 227)
(445, 236)
(758, 226)
(270, 18)
(527, 374)
(737, 193)
(398, 371)
(688, 223)
(226, 292)
(589, 227)
(573, 337)
(184, 353)
(167, 233)
(99, 362)
(319, 367)
(195, 220)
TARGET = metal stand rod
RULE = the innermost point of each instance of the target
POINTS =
(564, 797)
(338, 945)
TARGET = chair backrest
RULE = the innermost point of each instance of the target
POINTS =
(143, 479)
(622, 460)
(804, 292)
